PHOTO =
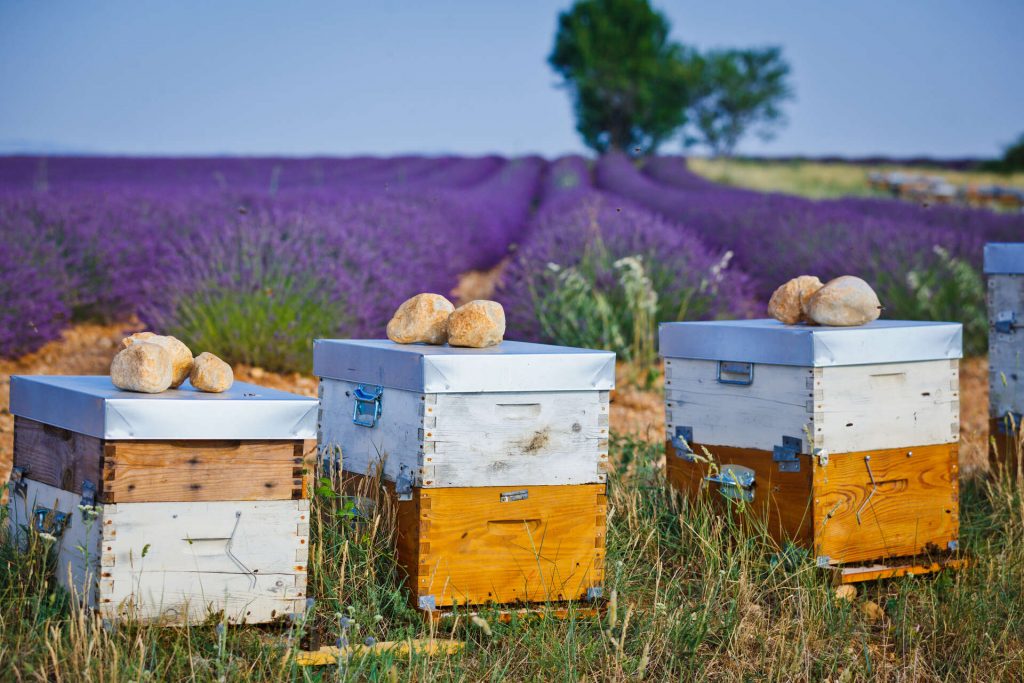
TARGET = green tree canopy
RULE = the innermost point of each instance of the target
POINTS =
(738, 91)
(630, 83)
(1013, 155)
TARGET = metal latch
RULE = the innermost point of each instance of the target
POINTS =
(735, 481)
(742, 373)
(403, 485)
(52, 522)
(17, 483)
(595, 593)
(788, 454)
(427, 602)
(1005, 322)
(367, 408)
(681, 443)
(512, 496)
(88, 495)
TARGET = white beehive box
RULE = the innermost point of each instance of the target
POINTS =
(1004, 268)
(437, 416)
(166, 507)
(748, 383)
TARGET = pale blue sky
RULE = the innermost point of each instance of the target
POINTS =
(938, 77)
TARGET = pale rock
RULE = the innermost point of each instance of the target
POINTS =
(423, 318)
(142, 367)
(181, 356)
(872, 611)
(844, 302)
(477, 324)
(846, 592)
(788, 302)
(211, 374)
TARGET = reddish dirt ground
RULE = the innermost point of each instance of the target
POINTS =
(639, 411)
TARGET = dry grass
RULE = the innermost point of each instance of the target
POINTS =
(694, 596)
(825, 180)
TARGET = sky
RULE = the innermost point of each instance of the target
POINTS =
(941, 78)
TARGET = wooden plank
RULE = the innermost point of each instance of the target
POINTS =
(1005, 445)
(179, 471)
(781, 499)
(848, 575)
(329, 654)
(776, 404)
(476, 549)
(78, 548)
(57, 457)
(911, 509)
(177, 597)
(468, 440)
(891, 405)
(242, 537)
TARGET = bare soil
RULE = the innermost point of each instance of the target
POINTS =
(636, 405)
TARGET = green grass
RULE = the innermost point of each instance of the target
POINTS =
(696, 596)
(827, 180)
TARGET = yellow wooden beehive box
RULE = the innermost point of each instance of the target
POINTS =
(495, 459)
(843, 440)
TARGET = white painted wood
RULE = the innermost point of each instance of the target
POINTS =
(78, 548)
(776, 404)
(1006, 350)
(170, 561)
(467, 440)
(842, 408)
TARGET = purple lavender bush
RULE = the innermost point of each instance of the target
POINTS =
(599, 272)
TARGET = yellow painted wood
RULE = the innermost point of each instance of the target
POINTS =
(329, 654)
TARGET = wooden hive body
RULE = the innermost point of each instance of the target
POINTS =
(854, 462)
(1004, 268)
(167, 530)
(499, 490)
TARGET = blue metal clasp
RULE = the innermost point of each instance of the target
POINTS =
(367, 408)
(1005, 322)
(743, 373)
(681, 443)
(51, 522)
(788, 454)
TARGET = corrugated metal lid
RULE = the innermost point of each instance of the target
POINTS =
(509, 366)
(1006, 258)
(93, 405)
(769, 341)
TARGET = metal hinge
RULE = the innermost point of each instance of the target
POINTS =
(595, 593)
(1005, 322)
(367, 408)
(17, 483)
(427, 602)
(734, 481)
(512, 496)
(88, 495)
(823, 561)
(403, 485)
(788, 454)
(681, 443)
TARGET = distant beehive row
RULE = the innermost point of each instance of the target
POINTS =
(936, 189)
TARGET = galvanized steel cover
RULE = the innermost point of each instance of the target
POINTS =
(1004, 258)
(508, 367)
(774, 343)
(92, 405)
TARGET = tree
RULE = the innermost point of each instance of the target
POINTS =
(1013, 156)
(629, 82)
(738, 91)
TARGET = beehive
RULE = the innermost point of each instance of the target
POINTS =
(1004, 269)
(843, 440)
(495, 459)
(166, 507)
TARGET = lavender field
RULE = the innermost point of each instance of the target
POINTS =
(253, 258)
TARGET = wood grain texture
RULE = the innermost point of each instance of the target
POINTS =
(1004, 444)
(465, 546)
(914, 509)
(469, 440)
(781, 499)
(841, 408)
(198, 471)
(58, 457)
